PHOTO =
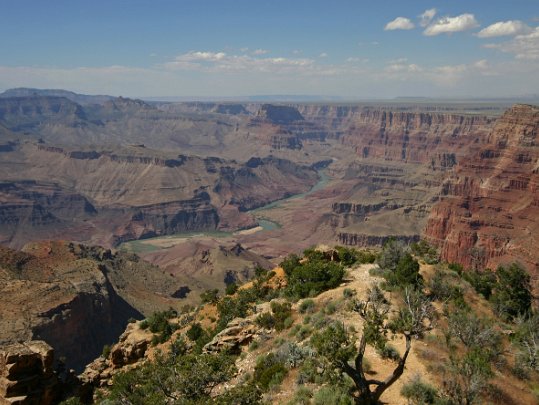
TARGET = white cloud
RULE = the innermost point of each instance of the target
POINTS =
(447, 25)
(522, 46)
(426, 17)
(503, 28)
(219, 62)
(260, 51)
(323, 55)
(399, 23)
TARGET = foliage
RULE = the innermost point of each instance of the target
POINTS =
(244, 394)
(419, 393)
(301, 397)
(467, 376)
(483, 282)
(231, 289)
(332, 395)
(179, 378)
(210, 296)
(334, 343)
(512, 296)
(278, 318)
(526, 341)
(441, 289)
(159, 324)
(306, 306)
(269, 371)
(424, 250)
(406, 273)
(415, 316)
(293, 355)
(475, 333)
(106, 351)
(195, 332)
(348, 293)
(312, 276)
(391, 254)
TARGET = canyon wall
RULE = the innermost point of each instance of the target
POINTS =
(76, 298)
(488, 209)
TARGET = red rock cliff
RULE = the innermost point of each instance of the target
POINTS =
(488, 211)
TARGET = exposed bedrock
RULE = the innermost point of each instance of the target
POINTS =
(488, 211)
(76, 298)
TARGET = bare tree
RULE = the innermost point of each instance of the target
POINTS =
(413, 319)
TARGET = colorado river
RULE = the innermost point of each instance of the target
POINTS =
(264, 224)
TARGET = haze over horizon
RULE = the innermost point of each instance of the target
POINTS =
(345, 49)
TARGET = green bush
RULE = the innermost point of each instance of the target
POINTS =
(419, 393)
(306, 306)
(332, 395)
(391, 254)
(348, 293)
(512, 296)
(106, 351)
(269, 371)
(483, 282)
(406, 273)
(313, 277)
(301, 397)
(195, 332)
(231, 289)
(210, 296)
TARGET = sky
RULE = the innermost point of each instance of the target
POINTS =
(353, 49)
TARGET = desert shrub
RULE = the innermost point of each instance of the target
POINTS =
(330, 308)
(456, 267)
(279, 318)
(106, 351)
(265, 320)
(406, 273)
(185, 378)
(441, 289)
(332, 395)
(303, 333)
(307, 305)
(391, 254)
(426, 251)
(301, 397)
(292, 354)
(313, 277)
(512, 295)
(483, 282)
(269, 371)
(254, 345)
(231, 289)
(195, 331)
(388, 351)
(348, 293)
(419, 393)
(526, 342)
(159, 324)
(210, 296)
(243, 394)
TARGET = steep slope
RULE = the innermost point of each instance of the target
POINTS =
(76, 298)
(104, 197)
(488, 211)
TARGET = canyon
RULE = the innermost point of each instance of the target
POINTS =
(175, 194)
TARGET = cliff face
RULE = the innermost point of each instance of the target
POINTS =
(76, 298)
(436, 138)
(488, 211)
(104, 198)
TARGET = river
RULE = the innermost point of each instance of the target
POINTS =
(161, 242)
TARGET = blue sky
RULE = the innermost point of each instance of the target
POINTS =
(353, 49)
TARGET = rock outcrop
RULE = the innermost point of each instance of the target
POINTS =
(76, 298)
(26, 374)
(488, 211)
